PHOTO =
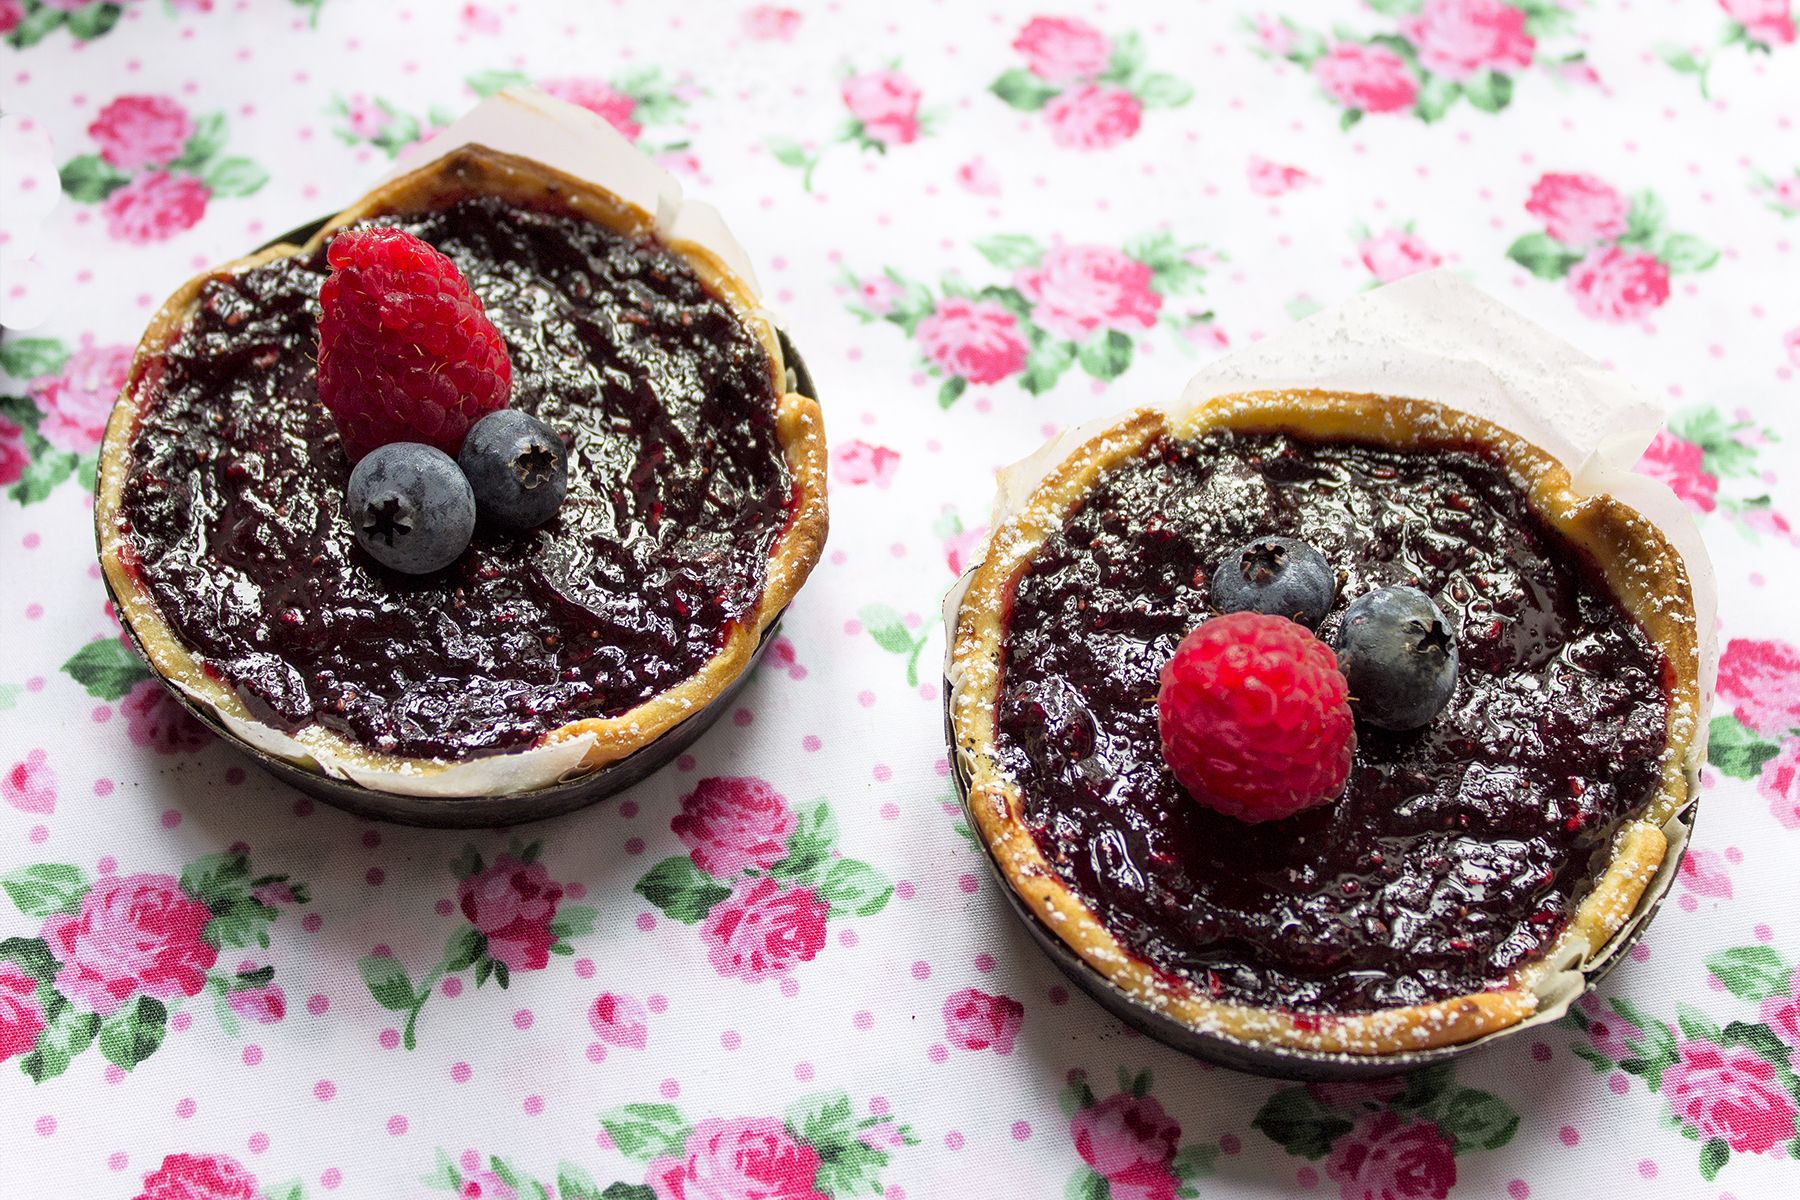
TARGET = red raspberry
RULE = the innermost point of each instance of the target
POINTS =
(406, 353)
(1255, 717)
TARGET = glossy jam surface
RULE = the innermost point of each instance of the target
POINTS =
(677, 491)
(1456, 852)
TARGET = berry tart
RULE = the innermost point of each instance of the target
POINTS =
(486, 487)
(1322, 727)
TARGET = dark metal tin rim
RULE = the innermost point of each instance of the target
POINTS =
(1277, 1061)
(514, 808)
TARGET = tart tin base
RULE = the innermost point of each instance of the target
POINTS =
(515, 808)
(1279, 1062)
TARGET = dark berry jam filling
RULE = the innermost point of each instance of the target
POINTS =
(1457, 851)
(677, 491)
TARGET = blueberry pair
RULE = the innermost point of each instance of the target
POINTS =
(413, 507)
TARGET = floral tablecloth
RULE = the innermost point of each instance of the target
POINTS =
(777, 969)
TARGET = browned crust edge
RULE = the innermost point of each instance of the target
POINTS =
(1645, 571)
(473, 170)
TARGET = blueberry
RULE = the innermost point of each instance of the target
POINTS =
(411, 507)
(518, 467)
(1283, 577)
(1399, 656)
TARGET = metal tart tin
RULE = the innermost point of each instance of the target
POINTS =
(1279, 1062)
(517, 808)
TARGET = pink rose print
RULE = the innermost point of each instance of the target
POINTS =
(1578, 210)
(513, 905)
(1357, 1093)
(11, 13)
(1388, 1157)
(155, 207)
(620, 1021)
(1704, 873)
(857, 462)
(1366, 78)
(1681, 465)
(1396, 254)
(1761, 681)
(1613, 284)
(1272, 179)
(976, 340)
(21, 1017)
(1093, 116)
(613, 107)
(157, 720)
(199, 1177)
(1063, 49)
(14, 458)
(1128, 1140)
(30, 786)
(77, 402)
(141, 131)
(134, 933)
(767, 23)
(1767, 22)
(974, 1020)
(1076, 290)
(1781, 1013)
(1457, 38)
(265, 1005)
(1779, 784)
(978, 179)
(886, 104)
(763, 929)
(1730, 1094)
(744, 1158)
(732, 825)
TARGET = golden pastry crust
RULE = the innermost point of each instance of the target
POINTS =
(1643, 569)
(470, 171)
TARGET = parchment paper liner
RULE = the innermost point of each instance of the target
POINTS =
(1436, 337)
(530, 124)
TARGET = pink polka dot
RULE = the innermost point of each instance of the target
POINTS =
(533, 1105)
(984, 962)
(170, 818)
(921, 970)
(252, 1055)
(890, 811)
(731, 1039)
(259, 1142)
(1306, 1177)
(46, 1125)
(1518, 1189)
(1230, 1144)
(317, 1004)
(461, 1072)
(742, 717)
(646, 922)
(847, 937)
(596, 1053)
(114, 1074)
(1618, 1084)
(103, 787)
(396, 1125)
(181, 1021)
(905, 889)
(523, 1019)
(38, 834)
(1059, 994)
(883, 772)
(185, 1107)
(1647, 1168)
(1569, 1135)
(803, 1071)
(657, 1003)
(443, 908)
(330, 1179)
(634, 845)
(937, 1052)
(234, 776)
(584, 968)
(811, 743)
(789, 988)
(324, 1089)
(878, 1106)
(451, 987)
(864, 1020)
(313, 923)
(669, 1089)
(116, 1161)
(685, 763)
(953, 1140)
(1021, 1130)
(390, 1039)
(375, 875)
(1540, 1052)
(968, 884)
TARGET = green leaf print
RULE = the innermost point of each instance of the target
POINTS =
(1023, 90)
(645, 1132)
(1478, 1120)
(1107, 355)
(31, 955)
(1044, 365)
(854, 888)
(1645, 220)
(46, 889)
(890, 631)
(1713, 1157)
(1300, 1124)
(133, 1033)
(1736, 751)
(203, 144)
(809, 846)
(232, 177)
(1489, 91)
(90, 179)
(1010, 250)
(94, 21)
(1696, 1025)
(951, 391)
(681, 889)
(1682, 252)
(29, 358)
(106, 669)
(574, 1183)
(1752, 973)
(628, 1191)
(387, 982)
(1543, 255)
(1163, 91)
(66, 1033)
(486, 83)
